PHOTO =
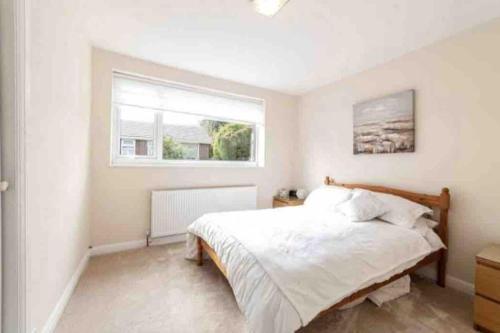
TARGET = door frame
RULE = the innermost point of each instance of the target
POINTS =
(22, 84)
(15, 157)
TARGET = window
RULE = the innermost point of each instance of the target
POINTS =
(127, 147)
(164, 123)
(133, 147)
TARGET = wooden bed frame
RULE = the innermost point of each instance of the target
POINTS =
(440, 202)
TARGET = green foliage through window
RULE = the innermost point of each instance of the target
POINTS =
(172, 150)
(232, 142)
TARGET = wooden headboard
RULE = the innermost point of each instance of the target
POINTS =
(441, 201)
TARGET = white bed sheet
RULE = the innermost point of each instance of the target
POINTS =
(286, 265)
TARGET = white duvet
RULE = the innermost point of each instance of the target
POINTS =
(287, 265)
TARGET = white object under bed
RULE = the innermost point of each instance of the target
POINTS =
(287, 265)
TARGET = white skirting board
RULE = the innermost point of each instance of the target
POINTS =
(460, 285)
(451, 281)
(117, 247)
(168, 240)
(135, 244)
(58, 310)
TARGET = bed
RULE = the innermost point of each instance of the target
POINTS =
(287, 266)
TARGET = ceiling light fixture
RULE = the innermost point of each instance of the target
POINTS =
(268, 7)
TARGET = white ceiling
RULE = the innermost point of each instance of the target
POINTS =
(306, 45)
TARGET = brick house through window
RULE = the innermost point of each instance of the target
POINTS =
(137, 139)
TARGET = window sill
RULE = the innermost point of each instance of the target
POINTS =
(119, 163)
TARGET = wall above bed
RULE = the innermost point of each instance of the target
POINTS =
(457, 121)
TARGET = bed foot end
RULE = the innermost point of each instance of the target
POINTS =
(199, 259)
(441, 270)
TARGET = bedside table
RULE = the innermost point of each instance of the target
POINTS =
(487, 298)
(280, 202)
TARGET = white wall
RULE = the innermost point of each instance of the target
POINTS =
(121, 196)
(57, 153)
(457, 126)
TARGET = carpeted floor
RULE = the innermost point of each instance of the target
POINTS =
(156, 290)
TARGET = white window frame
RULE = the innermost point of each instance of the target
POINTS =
(117, 160)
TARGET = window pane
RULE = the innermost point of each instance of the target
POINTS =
(137, 130)
(127, 147)
(157, 121)
(190, 137)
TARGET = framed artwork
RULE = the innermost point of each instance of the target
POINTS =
(385, 125)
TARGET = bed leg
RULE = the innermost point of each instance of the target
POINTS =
(199, 260)
(441, 269)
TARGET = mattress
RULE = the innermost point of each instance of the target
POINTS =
(287, 265)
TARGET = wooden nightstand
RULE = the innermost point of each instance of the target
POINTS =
(487, 299)
(279, 202)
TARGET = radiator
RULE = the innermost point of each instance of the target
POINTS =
(173, 210)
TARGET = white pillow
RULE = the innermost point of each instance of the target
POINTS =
(363, 206)
(327, 197)
(401, 212)
(434, 241)
(424, 227)
(430, 223)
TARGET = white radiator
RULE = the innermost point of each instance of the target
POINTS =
(173, 210)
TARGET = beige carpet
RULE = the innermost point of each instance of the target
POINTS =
(156, 290)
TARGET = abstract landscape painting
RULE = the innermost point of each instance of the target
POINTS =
(385, 125)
